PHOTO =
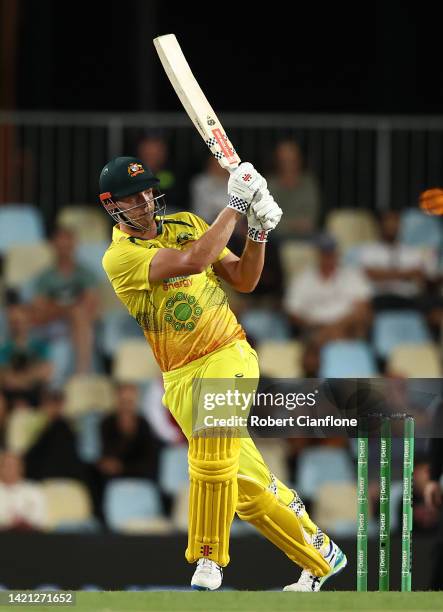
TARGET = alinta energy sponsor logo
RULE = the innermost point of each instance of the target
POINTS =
(176, 282)
(182, 311)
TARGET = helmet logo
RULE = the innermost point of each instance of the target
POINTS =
(134, 169)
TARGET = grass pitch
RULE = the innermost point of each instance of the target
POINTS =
(252, 601)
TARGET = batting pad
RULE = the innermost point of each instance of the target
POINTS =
(280, 525)
(213, 464)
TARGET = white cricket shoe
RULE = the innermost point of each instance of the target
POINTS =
(311, 584)
(208, 576)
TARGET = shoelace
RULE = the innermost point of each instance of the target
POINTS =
(207, 564)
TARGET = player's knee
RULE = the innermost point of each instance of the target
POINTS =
(254, 500)
(214, 454)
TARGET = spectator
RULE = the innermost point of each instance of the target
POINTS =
(153, 151)
(270, 286)
(23, 504)
(159, 418)
(24, 361)
(398, 272)
(3, 419)
(53, 453)
(129, 448)
(329, 301)
(295, 190)
(425, 516)
(209, 190)
(65, 294)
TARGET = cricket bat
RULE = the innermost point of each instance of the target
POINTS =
(194, 101)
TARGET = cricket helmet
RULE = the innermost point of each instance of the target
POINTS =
(126, 176)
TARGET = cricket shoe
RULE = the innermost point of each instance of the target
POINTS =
(208, 576)
(311, 584)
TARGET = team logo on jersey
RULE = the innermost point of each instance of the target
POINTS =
(183, 237)
(182, 312)
(135, 168)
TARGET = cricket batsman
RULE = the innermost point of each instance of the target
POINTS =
(166, 271)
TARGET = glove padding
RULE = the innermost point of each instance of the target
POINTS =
(266, 210)
(263, 216)
(431, 201)
(243, 185)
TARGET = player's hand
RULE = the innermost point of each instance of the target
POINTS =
(270, 215)
(243, 185)
(266, 210)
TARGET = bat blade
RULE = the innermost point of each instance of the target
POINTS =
(194, 101)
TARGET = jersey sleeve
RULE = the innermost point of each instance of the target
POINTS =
(127, 266)
(202, 226)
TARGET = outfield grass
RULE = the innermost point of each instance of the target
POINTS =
(253, 601)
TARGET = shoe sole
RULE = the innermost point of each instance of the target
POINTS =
(195, 587)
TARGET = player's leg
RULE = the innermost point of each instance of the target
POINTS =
(213, 464)
(280, 515)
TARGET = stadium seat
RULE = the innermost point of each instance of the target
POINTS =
(87, 428)
(88, 222)
(263, 324)
(24, 262)
(351, 226)
(335, 509)
(173, 469)
(109, 301)
(117, 327)
(129, 501)
(22, 429)
(90, 255)
(322, 464)
(275, 454)
(134, 362)
(69, 505)
(394, 327)
(180, 509)
(280, 359)
(347, 359)
(420, 230)
(19, 224)
(296, 256)
(416, 361)
(88, 392)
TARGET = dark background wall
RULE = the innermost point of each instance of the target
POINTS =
(372, 57)
(116, 562)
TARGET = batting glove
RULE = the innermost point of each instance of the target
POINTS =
(264, 215)
(243, 185)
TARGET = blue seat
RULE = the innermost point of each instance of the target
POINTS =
(117, 326)
(90, 255)
(420, 230)
(264, 324)
(395, 327)
(173, 469)
(129, 499)
(347, 359)
(19, 224)
(319, 465)
(88, 436)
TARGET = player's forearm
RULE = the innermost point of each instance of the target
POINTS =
(206, 249)
(249, 267)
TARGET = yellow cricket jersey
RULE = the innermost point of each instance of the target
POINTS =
(183, 317)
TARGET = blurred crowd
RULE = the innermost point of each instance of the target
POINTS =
(85, 441)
